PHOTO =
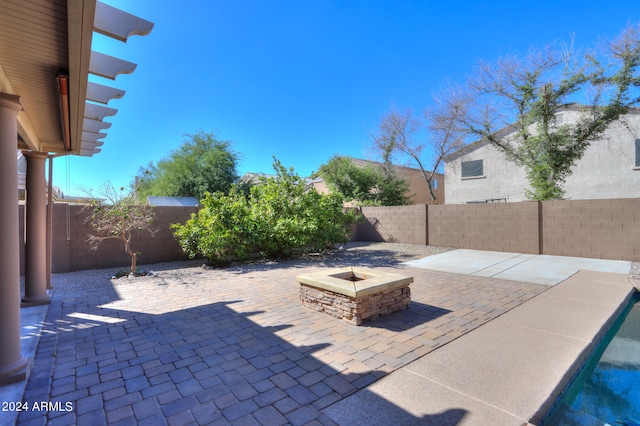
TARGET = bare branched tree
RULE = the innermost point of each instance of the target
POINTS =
(115, 215)
(426, 140)
(517, 102)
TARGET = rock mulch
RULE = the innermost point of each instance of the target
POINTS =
(356, 253)
(360, 253)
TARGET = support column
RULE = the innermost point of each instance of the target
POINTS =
(12, 363)
(35, 247)
(49, 221)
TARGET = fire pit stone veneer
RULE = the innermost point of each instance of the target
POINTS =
(355, 294)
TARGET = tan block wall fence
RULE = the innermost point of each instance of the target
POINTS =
(400, 224)
(70, 251)
(602, 229)
(607, 229)
(511, 227)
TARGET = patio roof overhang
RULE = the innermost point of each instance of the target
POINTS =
(46, 59)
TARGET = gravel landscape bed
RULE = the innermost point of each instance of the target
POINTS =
(356, 253)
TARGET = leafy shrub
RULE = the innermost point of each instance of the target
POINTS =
(221, 230)
(276, 219)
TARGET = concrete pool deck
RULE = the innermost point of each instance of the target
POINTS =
(209, 348)
(531, 268)
(507, 372)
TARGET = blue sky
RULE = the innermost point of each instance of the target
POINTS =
(303, 80)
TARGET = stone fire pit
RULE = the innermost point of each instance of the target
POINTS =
(355, 294)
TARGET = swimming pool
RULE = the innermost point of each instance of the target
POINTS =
(607, 390)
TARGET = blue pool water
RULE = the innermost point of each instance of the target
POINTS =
(607, 390)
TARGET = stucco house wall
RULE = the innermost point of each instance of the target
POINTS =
(607, 169)
(502, 180)
(418, 190)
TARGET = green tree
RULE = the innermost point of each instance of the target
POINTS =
(369, 184)
(114, 215)
(202, 164)
(518, 102)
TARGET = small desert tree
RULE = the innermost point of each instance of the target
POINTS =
(115, 215)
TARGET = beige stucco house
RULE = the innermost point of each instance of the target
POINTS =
(610, 168)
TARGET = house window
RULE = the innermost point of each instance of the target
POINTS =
(434, 183)
(637, 152)
(558, 119)
(472, 168)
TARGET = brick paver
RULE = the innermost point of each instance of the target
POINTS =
(214, 347)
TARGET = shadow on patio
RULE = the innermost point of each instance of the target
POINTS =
(415, 315)
(205, 364)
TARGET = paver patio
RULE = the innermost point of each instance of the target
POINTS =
(206, 346)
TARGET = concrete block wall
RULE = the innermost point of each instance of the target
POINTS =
(401, 224)
(600, 229)
(71, 252)
(507, 227)
(606, 229)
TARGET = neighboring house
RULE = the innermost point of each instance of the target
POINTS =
(610, 168)
(160, 201)
(418, 191)
(319, 185)
(251, 178)
(22, 175)
(60, 197)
